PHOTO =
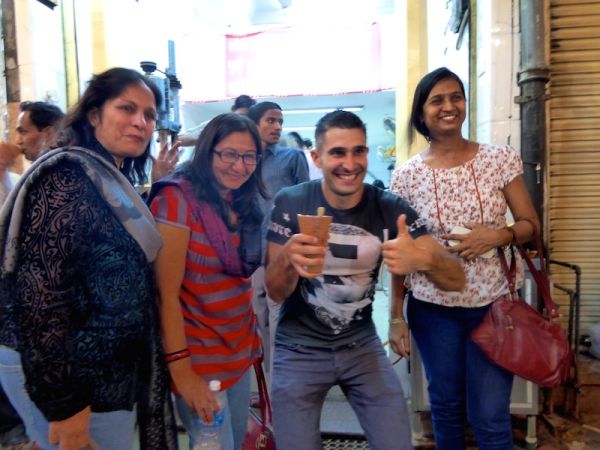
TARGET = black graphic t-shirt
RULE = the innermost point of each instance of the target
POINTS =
(334, 308)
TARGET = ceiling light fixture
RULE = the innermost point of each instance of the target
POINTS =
(322, 110)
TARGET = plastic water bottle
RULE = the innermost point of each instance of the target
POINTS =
(208, 435)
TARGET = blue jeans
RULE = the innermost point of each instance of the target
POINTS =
(463, 383)
(235, 421)
(302, 376)
(109, 430)
(12, 429)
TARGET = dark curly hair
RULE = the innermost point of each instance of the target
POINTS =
(105, 86)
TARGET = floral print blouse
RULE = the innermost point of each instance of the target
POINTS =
(446, 198)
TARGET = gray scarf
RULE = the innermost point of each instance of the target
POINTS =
(116, 190)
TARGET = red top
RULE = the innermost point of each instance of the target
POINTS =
(220, 325)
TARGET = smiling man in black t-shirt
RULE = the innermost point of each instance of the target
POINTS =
(325, 335)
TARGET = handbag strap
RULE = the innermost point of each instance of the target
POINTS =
(539, 275)
(541, 279)
(263, 395)
(509, 272)
(539, 247)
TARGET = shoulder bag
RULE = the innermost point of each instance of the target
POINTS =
(517, 337)
(259, 435)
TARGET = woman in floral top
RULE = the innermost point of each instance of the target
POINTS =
(455, 183)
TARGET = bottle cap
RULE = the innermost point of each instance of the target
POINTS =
(214, 386)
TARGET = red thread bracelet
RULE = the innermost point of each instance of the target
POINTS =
(176, 356)
(178, 351)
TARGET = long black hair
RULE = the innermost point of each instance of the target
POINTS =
(199, 170)
(422, 91)
(105, 86)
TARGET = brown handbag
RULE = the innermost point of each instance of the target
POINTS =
(259, 435)
(518, 338)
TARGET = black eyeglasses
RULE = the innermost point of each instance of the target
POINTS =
(231, 157)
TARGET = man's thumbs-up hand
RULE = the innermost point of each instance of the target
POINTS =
(401, 255)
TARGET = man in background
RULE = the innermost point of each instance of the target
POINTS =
(37, 125)
(280, 167)
(241, 104)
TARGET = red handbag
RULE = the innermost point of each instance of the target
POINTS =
(518, 338)
(259, 435)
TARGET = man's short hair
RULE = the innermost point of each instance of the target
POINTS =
(42, 114)
(338, 119)
(243, 101)
(259, 110)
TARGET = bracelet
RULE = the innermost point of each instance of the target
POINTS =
(513, 238)
(396, 320)
(176, 356)
(174, 353)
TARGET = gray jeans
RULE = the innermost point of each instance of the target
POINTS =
(302, 376)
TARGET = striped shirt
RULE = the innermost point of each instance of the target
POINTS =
(220, 325)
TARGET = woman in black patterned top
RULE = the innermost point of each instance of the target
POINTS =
(78, 291)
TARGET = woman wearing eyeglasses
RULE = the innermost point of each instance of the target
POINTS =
(210, 223)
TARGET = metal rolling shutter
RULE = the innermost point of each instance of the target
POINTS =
(574, 150)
